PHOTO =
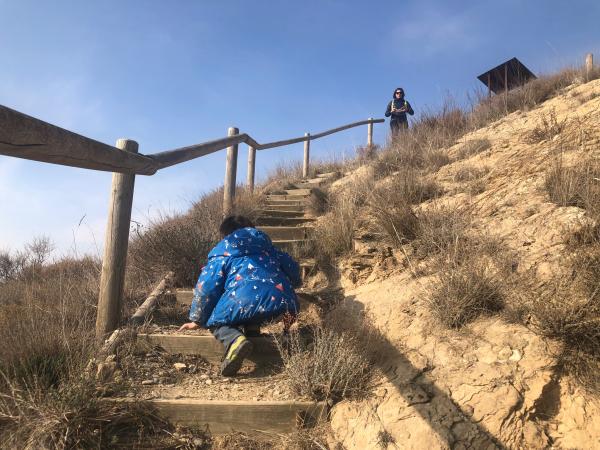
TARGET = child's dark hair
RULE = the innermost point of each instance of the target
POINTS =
(233, 223)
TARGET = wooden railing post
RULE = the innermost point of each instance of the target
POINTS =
(589, 65)
(306, 156)
(251, 168)
(115, 248)
(230, 174)
(370, 133)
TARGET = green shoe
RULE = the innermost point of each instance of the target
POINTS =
(236, 353)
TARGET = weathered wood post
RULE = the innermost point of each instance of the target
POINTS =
(370, 133)
(115, 248)
(230, 174)
(589, 65)
(306, 156)
(251, 168)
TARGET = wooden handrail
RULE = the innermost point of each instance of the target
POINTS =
(26, 137)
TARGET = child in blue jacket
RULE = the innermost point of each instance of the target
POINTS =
(246, 282)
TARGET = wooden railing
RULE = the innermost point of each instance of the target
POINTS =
(26, 137)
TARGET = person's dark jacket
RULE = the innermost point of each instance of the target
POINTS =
(246, 280)
(398, 116)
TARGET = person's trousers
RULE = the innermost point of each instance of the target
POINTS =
(226, 334)
(397, 125)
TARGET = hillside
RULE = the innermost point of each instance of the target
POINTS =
(498, 379)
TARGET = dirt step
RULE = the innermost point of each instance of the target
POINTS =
(283, 221)
(256, 418)
(285, 233)
(265, 350)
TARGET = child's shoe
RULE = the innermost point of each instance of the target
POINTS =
(236, 353)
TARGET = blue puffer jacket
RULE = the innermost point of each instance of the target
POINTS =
(246, 280)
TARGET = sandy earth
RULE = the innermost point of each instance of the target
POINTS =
(492, 384)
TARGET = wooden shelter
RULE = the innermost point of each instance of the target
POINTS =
(506, 76)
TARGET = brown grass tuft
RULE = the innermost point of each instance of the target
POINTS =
(575, 186)
(473, 147)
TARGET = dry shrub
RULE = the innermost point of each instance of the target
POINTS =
(463, 292)
(469, 173)
(313, 438)
(47, 320)
(570, 314)
(366, 153)
(440, 228)
(548, 127)
(575, 186)
(394, 216)
(74, 417)
(473, 147)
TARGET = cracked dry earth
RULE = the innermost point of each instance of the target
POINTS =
(492, 384)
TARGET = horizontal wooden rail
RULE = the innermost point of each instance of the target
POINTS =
(26, 137)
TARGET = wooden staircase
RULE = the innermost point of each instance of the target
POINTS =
(286, 219)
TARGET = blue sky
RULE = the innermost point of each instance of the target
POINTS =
(169, 74)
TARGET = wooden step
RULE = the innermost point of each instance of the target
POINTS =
(285, 233)
(289, 245)
(297, 198)
(256, 418)
(304, 192)
(327, 175)
(283, 221)
(265, 350)
(282, 213)
(285, 205)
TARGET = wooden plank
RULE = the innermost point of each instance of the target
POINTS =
(145, 309)
(265, 351)
(26, 137)
(274, 221)
(285, 233)
(312, 137)
(253, 418)
(281, 213)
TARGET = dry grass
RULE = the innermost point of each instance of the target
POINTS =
(546, 130)
(473, 147)
(72, 416)
(469, 173)
(575, 186)
(327, 362)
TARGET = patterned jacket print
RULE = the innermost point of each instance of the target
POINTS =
(246, 280)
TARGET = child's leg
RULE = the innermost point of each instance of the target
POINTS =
(226, 335)
(237, 348)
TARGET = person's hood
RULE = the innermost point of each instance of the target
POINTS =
(242, 242)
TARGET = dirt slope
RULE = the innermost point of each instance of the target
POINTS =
(492, 384)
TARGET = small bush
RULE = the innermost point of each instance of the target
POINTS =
(464, 292)
(548, 128)
(439, 229)
(326, 364)
(393, 215)
(575, 186)
(470, 173)
(74, 417)
(473, 147)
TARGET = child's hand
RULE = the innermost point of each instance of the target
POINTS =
(189, 326)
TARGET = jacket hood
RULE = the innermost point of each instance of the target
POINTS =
(242, 242)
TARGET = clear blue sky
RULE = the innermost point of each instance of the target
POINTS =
(169, 74)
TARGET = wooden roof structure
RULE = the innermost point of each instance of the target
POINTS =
(506, 76)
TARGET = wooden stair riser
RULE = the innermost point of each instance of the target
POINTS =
(303, 199)
(285, 233)
(281, 213)
(255, 418)
(265, 351)
(283, 221)
(305, 192)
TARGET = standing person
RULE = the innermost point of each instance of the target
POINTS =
(398, 108)
(246, 282)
